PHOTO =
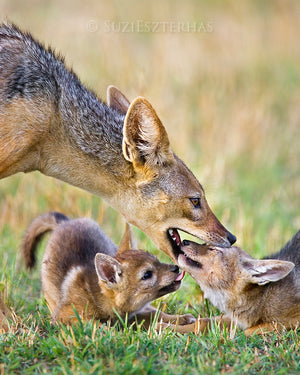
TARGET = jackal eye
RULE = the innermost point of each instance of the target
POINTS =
(196, 202)
(147, 275)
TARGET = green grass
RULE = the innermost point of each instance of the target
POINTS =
(230, 102)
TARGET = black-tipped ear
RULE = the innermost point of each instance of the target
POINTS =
(267, 270)
(145, 140)
(127, 242)
(108, 269)
(117, 100)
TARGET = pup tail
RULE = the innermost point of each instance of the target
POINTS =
(40, 226)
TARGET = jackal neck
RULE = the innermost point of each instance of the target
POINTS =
(247, 306)
(90, 124)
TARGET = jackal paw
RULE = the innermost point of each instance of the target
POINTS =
(186, 319)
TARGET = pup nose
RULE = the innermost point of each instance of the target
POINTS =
(175, 269)
(185, 243)
(231, 238)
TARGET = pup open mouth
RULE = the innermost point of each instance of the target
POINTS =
(191, 254)
(173, 286)
(184, 260)
(175, 240)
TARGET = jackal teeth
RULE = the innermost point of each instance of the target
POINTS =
(175, 236)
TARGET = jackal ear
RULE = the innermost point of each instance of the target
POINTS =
(117, 100)
(145, 140)
(267, 270)
(127, 242)
(108, 269)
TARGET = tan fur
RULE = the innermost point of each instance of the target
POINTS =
(83, 270)
(20, 145)
(257, 295)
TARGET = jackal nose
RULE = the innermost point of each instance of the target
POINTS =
(175, 269)
(231, 238)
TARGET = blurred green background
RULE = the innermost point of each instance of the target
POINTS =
(227, 90)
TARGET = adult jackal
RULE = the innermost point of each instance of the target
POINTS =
(51, 123)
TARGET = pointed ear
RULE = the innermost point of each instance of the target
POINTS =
(127, 242)
(108, 269)
(265, 271)
(117, 100)
(145, 140)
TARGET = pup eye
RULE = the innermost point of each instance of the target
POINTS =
(147, 275)
(196, 202)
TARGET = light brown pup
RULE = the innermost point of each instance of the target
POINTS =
(256, 294)
(83, 269)
(51, 123)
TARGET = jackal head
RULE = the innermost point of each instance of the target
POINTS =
(162, 194)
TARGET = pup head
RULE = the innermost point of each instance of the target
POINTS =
(134, 277)
(224, 274)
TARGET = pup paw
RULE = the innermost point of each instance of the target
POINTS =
(186, 319)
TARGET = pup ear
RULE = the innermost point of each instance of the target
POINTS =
(117, 100)
(145, 140)
(265, 271)
(108, 269)
(127, 242)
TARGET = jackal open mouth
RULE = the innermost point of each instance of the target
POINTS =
(175, 240)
